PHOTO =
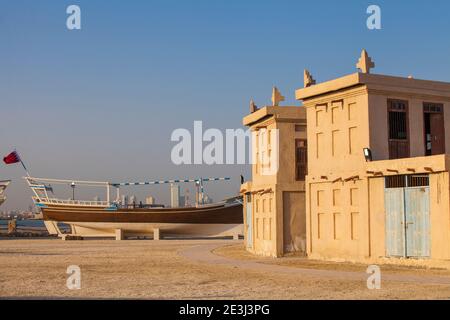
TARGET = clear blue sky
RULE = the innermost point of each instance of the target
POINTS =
(100, 103)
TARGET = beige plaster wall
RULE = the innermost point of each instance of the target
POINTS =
(337, 133)
(267, 189)
(264, 224)
(378, 127)
(447, 126)
(440, 216)
(338, 220)
(377, 217)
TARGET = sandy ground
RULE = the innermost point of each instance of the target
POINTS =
(237, 251)
(164, 270)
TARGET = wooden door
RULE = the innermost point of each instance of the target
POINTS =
(437, 133)
(301, 159)
(398, 125)
(294, 218)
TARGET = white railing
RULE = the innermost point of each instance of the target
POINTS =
(3, 185)
(86, 203)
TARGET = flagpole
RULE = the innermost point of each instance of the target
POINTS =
(23, 164)
(26, 170)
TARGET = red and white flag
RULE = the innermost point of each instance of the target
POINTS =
(11, 158)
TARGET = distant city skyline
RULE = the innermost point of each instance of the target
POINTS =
(101, 103)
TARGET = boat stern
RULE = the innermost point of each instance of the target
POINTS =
(3, 185)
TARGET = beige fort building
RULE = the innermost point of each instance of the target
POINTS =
(359, 172)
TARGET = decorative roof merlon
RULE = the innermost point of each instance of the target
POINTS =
(253, 106)
(308, 80)
(365, 62)
(276, 97)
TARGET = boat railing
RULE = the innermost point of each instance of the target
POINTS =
(87, 203)
(3, 185)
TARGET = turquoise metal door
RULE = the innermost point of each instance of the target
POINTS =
(395, 222)
(407, 206)
(417, 225)
(249, 220)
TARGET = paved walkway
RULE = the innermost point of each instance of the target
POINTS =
(203, 254)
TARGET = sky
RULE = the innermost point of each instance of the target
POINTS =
(101, 103)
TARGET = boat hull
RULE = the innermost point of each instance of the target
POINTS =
(212, 221)
(108, 229)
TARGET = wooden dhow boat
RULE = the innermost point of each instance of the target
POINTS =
(3, 185)
(116, 219)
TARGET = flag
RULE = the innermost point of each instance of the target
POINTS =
(11, 158)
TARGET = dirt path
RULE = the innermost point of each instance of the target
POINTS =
(204, 254)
